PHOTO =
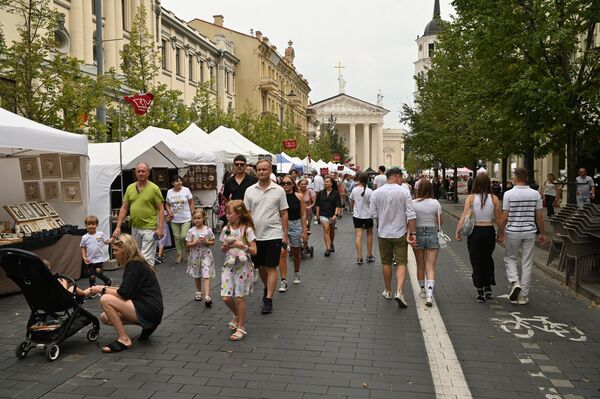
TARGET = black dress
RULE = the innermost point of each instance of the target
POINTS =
(141, 286)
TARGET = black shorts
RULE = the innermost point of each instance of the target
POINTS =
(267, 253)
(362, 223)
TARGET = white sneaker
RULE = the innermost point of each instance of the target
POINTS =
(283, 286)
(429, 301)
(522, 300)
(297, 278)
(514, 292)
(399, 298)
(386, 294)
(422, 293)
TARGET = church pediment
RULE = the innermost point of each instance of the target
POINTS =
(345, 104)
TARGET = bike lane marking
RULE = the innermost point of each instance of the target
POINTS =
(447, 374)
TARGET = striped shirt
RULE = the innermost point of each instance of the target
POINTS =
(521, 202)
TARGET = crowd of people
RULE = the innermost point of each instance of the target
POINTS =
(265, 219)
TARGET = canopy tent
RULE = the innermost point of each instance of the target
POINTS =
(199, 138)
(230, 137)
(21, 137)
(461, 171)
(105, 167)
(283, 158)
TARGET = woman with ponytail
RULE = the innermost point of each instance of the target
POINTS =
(361, 197)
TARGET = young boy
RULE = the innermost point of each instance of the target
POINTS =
(92, 251)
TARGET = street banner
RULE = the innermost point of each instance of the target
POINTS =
(140, 102)
(336, 157)
(324, 171)
(290, 144)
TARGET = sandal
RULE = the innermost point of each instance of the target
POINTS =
(233, 324)
(238, 335)
(207, 301)
(115, 346)
(198, 296)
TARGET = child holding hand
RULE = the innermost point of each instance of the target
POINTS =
(93, 251)
(201, 264)
(239, 242)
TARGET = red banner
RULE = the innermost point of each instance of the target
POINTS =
(324, 171)
(290, 144)
(336, 157)
(140, 102)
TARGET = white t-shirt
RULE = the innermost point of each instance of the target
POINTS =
(427, 212)
(521, 202)
(392, 206)
(380, 181)
(318, 183)
(95, 246)
(361, 204)
(265, 207)
(179, 202)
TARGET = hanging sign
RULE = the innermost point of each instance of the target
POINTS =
(324, 171)
(336, 157)
(290, 144)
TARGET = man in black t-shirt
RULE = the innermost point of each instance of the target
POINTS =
(236, 185)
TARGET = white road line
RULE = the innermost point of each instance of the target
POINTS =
(448, 378)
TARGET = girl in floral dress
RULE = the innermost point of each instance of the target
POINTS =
(237, 276)
(201, 265)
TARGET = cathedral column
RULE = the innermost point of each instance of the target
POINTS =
(88, 34)
(109, 34)
(366, 145)
(352, 143)
(76, 29)
(374, 148)
(379, 130)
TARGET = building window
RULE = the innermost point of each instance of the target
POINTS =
(163, 54)
(431, 49)
(191, 68)
(178, 61)
(201, 64)
(93, 7)
(211, 70)
(124, 15)
(227, 82)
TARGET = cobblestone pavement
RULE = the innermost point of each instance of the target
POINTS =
(333, 335)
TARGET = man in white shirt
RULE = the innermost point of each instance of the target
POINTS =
(268, 205)
(318, 183)
(522, 219)
(392, 206)
(381, 179)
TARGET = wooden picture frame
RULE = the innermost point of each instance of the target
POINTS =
(25, 229)
(32, 191)
(38, 210)
(71, 167)
(15, 212)
(71, 191)
(47, 208)
(28, 212)
(160, 177)
(59, 222)
(29, 168)
(50, 164)
(51, 191)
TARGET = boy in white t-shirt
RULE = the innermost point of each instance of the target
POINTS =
(93, 251)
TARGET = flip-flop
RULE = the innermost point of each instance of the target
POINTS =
(238, 335)
(116, 346)
(146, 333)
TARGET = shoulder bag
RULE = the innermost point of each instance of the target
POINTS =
(468, 223)
(443, 239)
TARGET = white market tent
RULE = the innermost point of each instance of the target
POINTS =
(200, 139)
(21, 137)
(230, 138)
(105, 167)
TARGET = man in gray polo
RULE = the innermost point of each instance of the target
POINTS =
(586, 188)
(267, 202)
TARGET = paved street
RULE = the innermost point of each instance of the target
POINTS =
(333, 335)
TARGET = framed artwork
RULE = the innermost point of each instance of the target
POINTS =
(59, 222)
(160, 177)
(25, 229)
(71, 167)
(50, 166)
(52, 223)
(47, 208)
(32, 191)
(28, 212)
(29, 169)
(37, 209)
(51, 191)
(71, 191)
(16, 213)
(34, 226)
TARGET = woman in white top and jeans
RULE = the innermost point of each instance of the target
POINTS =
(482, 241)
(361, 216)
(549, 191)
(426, 251)
(179, 205)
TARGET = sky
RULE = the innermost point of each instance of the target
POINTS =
(374, 40)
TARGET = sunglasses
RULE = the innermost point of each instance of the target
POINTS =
(239, 164)
(287, 183)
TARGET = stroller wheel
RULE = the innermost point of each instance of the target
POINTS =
(93, 334)
(22, 350)
(52, 352)
(312, 251)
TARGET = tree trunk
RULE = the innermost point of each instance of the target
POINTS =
(571, 165)
(528, 161)
(455, 184)
(504, 165)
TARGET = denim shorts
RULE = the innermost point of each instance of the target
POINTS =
(295, 233)
(427, 238)
(325, 219)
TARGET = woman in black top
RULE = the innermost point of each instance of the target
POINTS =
(297, 230)
(329, 206)
(137, 301)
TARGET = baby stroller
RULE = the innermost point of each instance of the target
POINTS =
(56, 312)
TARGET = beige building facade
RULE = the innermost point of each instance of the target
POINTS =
(393, 148)
(266, 81)
(187, 58)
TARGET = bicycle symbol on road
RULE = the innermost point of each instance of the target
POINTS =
(523, 327)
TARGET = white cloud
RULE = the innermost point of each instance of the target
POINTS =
(374, 40)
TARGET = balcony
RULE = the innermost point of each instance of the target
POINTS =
(268, 84)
